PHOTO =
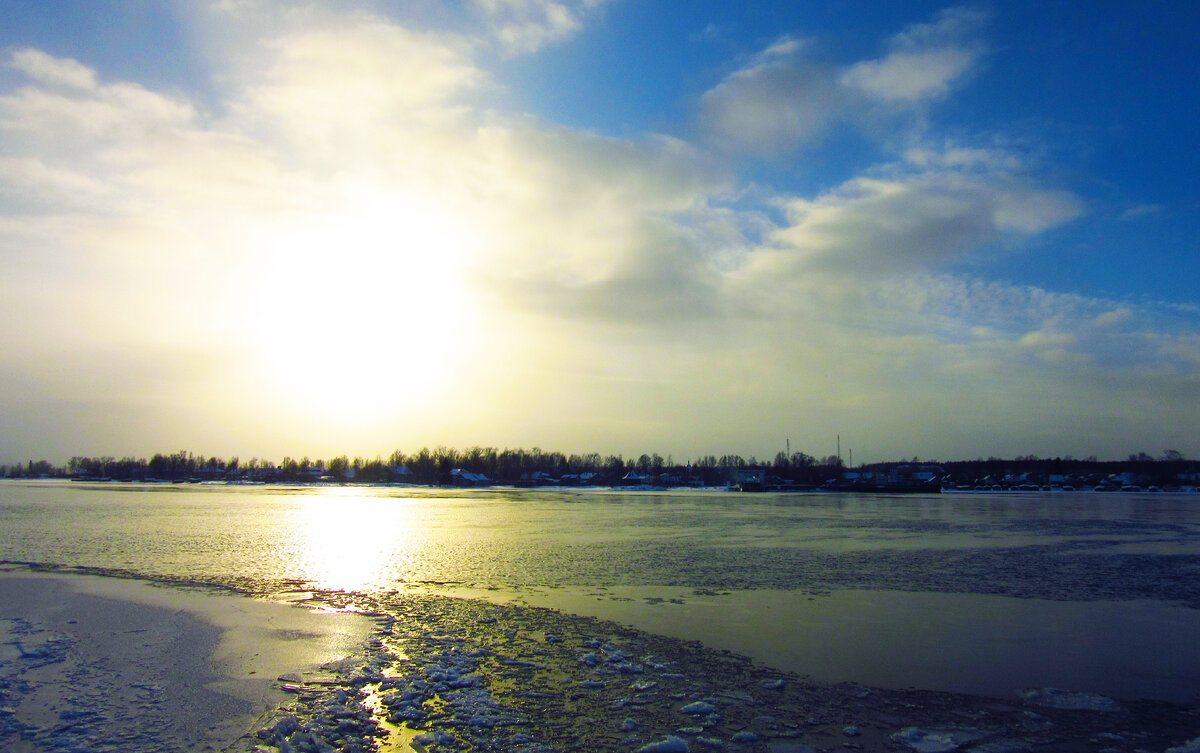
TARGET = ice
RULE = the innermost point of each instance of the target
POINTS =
(937, 740)
(699, 707)
(1066, 699)
(745, 737)
(671, 744)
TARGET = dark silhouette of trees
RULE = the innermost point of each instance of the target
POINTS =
(538, 466)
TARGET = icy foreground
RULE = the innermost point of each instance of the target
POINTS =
(444, 674)
(432, 673)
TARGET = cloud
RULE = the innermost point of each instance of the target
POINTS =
(596, 226)
(53, 71)
(328, 88)
(909, 221)
(959, 157)
(77, 119)
(781, 99)
(526, 26)
(347, 244)
(925, 61)
(1114, 317)
(909, 76)
(1141, 211)
(784, 97)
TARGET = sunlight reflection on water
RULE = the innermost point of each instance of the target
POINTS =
(345, 538)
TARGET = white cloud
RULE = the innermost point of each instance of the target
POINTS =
(77, 120)
(1140, 211)
(965, 158)
(53, 71)
(784, 97)
(781, 99)
(909, 75)
(925, 61)
(909, 222)
(336, 89)
(37, 185)
(1114, 317)
(526, 26)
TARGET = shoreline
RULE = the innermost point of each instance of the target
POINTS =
(883, 491)
(448, 673)
(88, 660)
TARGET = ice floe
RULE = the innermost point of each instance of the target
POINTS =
(936, 740)
(671, 744)
(1066, 699)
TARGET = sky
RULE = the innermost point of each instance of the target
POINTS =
(265, 228)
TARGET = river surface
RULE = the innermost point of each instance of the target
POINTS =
(979, 593)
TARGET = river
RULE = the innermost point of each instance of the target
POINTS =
(978, 593)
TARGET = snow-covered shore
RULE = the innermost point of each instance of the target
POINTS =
(90, 663)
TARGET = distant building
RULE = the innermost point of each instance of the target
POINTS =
(750, 478)
(459, 477)
(633, 478)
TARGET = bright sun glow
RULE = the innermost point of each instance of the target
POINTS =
(366, 309)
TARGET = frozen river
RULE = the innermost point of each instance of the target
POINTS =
(976, 593)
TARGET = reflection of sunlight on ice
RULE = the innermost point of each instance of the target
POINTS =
(349, 539)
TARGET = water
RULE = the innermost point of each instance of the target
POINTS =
(977, 593)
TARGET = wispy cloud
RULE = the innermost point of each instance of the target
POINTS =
(925, 60)
(526, 26)
(46, 69)
(782, 98)
(1139, 211)
(786, 97)
(907, 221)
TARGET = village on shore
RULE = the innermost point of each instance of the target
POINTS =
(488, 467)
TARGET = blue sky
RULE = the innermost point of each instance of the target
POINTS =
(264, 228)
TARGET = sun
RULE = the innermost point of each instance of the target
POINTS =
(364, 309)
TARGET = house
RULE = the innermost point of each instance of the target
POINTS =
(459, 477)
(750, 479)
(633, 478)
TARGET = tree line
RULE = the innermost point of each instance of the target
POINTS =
(425, 466)
(438, 466)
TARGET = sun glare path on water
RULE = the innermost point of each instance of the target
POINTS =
(349, 539)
